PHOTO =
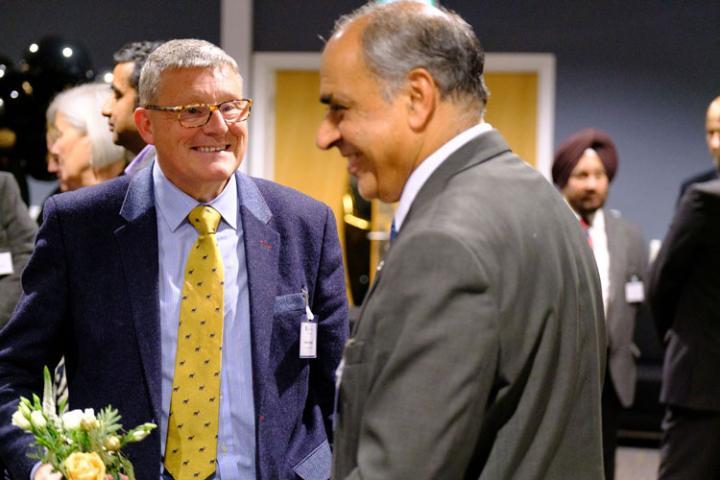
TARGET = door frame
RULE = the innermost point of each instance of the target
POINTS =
(261, 155)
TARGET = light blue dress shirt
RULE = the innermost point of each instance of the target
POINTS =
(236, 438)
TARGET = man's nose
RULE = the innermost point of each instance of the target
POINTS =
(591, 182)
(216, 124)
(107, 107)
(715, 140)
(327, 135)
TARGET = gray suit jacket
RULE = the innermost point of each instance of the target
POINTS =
(684, 297)
(479, 351)
(628, 259)
(17, 236)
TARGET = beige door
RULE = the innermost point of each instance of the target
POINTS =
(298, 163)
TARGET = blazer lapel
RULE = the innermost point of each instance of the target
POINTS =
(482, 148)
(139, 255)
(262, 246)
(617, 248)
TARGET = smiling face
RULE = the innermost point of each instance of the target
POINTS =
(120, 107)
(199, 161)
(370, 132)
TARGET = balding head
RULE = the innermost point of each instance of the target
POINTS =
(401, 36)
(712, 130)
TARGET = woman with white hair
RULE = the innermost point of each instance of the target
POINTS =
(79, 141)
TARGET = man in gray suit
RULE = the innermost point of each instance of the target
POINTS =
(17, 235)
(479, 350)
(684, 297)
(583, 168)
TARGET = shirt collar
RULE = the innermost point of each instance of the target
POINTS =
(595, 219)
(423, 171)
(174, 205)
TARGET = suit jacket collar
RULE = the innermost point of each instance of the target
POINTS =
(482, 148)
(138, 246)
(262, 249)
(617, 249)
(250, 197)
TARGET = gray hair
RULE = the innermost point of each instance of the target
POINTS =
(183, 53)
(81, 106)
(404, 35)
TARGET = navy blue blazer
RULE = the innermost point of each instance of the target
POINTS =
(91, 294)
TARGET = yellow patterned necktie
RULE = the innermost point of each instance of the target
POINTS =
(191, 449)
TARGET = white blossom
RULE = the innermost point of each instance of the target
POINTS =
(88, 420)
(38, 420)
(20, 420)
(71, 420)
(112, 443)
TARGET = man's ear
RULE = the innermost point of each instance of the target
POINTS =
(144, 126)
(422, 98)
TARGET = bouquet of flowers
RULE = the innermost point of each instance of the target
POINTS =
(78, 443)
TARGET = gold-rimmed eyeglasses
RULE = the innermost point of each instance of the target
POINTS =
(198, 114)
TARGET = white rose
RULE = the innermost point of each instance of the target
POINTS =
(38, 420)
(20, 420)
(71, 420)
(88, 420)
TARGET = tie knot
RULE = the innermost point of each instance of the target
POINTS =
(393, 231)
(205, 219)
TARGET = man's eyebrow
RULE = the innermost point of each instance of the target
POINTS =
(114, 88)
(326, 99)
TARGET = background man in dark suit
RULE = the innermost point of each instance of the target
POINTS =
(104, 288)
(684, 296)
(17, 234)
(479, 350)
(712, 135)
(584, 166)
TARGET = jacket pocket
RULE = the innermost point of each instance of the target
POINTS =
(288, 303)
(317, 465)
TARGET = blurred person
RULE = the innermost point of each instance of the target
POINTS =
(178, 295)
(684, 298)
(480, 348)
(712, 137)
(120, 106)
(17, 234)
(79, 139)
(584, 166)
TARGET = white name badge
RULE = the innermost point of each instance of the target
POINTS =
(6, 265)
(308, 340)
(634, 291)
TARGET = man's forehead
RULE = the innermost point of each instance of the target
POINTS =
(200, 85)
(713, 117)
(342, 59)
(121, 74)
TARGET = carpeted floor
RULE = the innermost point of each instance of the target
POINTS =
(636, 463)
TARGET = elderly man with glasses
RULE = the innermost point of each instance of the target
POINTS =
(190, 295)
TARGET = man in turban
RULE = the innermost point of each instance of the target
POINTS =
(583, 168)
